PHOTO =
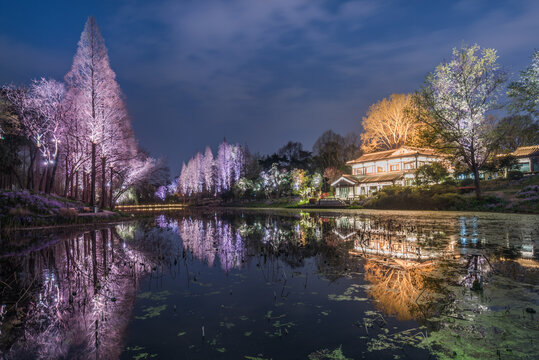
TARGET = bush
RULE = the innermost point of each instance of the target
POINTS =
(313, 201)
(528, 192)
(449, 201)
(514, 175)
(467, 182)
(450, 181)
(19, 211)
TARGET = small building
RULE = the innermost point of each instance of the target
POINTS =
(528, 158)
(371, 172)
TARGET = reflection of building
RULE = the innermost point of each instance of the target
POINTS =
(396, 239)
(398, 255)
(373, 171)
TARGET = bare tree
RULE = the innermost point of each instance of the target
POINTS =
(93, 87)
(388, 125)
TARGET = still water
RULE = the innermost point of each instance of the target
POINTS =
(275, 285)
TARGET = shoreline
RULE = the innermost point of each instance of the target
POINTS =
(137, 215)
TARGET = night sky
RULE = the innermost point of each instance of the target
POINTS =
(259, 71)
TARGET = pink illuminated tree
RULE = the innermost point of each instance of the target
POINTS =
(48, 98)
(93, 88)
(208, 170)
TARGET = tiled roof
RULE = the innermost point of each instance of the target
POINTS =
(392, 154)
(381, 178)
(351, 178)
(366, 179)
(372, 156)
(526, 151)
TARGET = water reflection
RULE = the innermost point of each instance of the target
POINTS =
(449, 285)
(72, 299)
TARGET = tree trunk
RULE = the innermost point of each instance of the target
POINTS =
(92, 180)
(76, 185)
(53, 174)
(84, 187)
(66, 185)
(30, 174)
(477, 182)
(103, 183)
(42, 179)
(110, 191)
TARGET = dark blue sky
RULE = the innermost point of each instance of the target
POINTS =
(259, 71)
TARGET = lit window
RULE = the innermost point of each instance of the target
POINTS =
(394, 167)
(359, 171)
(409, 166)
(524, 167)
(379, 169)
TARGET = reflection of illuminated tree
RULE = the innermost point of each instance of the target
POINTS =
(208, 238)
(77, 296)
(398, 286)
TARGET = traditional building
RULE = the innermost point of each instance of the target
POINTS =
(528, 158)
(371, 172)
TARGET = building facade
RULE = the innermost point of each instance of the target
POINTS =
(373, 171)
(527, 158)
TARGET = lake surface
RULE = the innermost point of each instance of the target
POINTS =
(275, 285)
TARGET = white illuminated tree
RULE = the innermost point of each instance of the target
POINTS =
(455, 101)
(48, 98)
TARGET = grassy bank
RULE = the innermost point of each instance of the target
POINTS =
(24, 209)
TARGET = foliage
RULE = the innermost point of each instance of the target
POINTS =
(433, 197)
(430, 173)
(514, 175)
(501, 162)
(524, 93)
(295, 155)
(327, 354)
(514, 131)
(334, 150)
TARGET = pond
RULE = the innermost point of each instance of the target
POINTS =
(275, 285)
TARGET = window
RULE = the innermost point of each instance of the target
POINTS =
(394, 167)
(369, 170)
(380, 169)
(524, 167)
(409, 165)
(359, 171)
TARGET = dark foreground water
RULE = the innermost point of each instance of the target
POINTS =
(256, 285)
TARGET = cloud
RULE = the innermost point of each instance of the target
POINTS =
(269, 71)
